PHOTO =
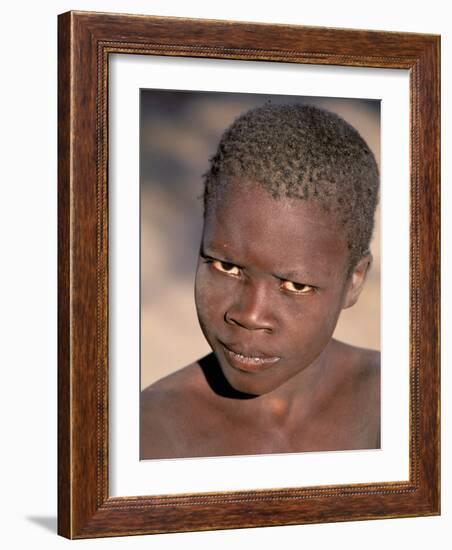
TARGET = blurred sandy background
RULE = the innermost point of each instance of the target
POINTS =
(179, 133)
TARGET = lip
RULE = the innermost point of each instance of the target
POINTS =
(249, 361)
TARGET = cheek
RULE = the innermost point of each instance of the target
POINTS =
(309, 329)
(328, 314)
(313, 323)
(210, 300)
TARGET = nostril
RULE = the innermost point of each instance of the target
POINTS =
(230, 320)
(246, 321)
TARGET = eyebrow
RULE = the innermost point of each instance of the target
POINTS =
(294, 276)
(290, 275)
(217, 255)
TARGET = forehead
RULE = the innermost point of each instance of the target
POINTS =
(247, 225)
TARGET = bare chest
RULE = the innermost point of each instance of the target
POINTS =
(226, 432)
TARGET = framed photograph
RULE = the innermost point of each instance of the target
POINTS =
(248, 275)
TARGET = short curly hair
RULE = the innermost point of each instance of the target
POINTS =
(301, 151)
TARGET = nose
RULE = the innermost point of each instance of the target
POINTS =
(251, 308)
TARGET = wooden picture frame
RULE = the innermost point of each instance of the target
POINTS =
(86, 40)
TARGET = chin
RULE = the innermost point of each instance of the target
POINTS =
(252, 383)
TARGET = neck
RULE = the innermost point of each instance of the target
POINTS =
(298, 392)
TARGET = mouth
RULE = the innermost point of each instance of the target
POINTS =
(249, 360)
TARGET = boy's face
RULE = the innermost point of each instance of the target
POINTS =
(270, 284)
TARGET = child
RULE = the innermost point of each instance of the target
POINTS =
(289, 203)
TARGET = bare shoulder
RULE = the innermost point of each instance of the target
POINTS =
(366, 369)
(359, 386)
(164, 408)
(172, 392)
(360, 363)
(173, 383)
(362, 368)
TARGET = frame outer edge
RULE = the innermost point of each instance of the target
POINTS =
(81, 510)
(425, 274)
(87, 317)
(64, 289)
(438, 160)
(430, 247)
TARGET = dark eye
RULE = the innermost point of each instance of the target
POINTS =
(297, 288)
(224, 267)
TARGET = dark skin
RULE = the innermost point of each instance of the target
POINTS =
(272, 279)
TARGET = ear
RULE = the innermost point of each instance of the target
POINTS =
(356, 280)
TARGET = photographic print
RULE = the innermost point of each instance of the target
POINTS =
(282, 365)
